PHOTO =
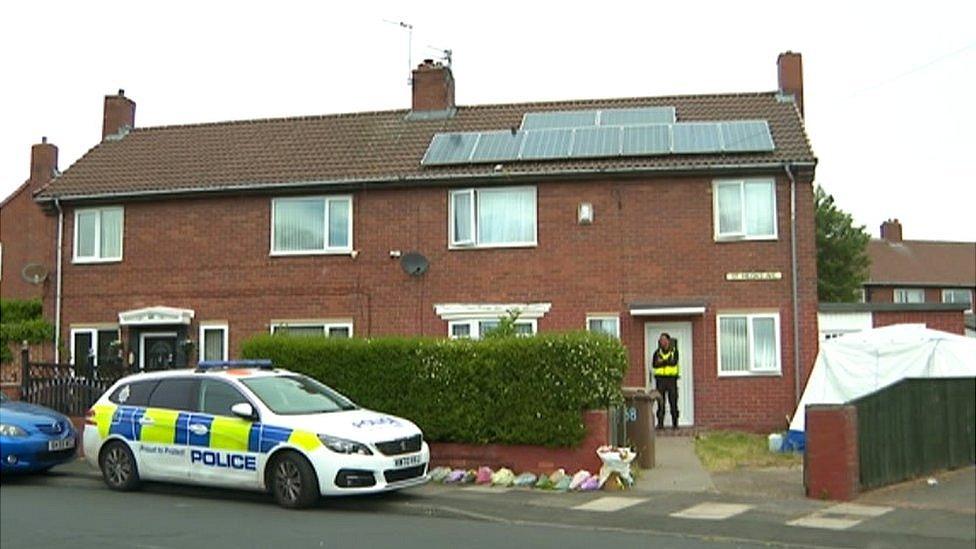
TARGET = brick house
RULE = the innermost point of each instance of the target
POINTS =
(686, 214)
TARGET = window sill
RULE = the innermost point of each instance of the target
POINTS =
(348, 252)
(721, 239)
(518, 245)
(777, 373)
(95, 261)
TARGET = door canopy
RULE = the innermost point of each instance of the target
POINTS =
(156, 316)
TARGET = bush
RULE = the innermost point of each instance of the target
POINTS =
(20, 320)
(512, 390)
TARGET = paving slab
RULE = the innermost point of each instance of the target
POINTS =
(677, 469)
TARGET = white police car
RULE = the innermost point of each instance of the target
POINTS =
(243, 424)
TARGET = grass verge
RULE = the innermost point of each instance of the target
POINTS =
(730, 450)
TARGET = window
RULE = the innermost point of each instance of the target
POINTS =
(745, 209)
(492, 218)
(98, 235)
(311, 225)
(861, 295)
(313, 329)
(909, 295)
(957, 295)
(217, 397)
(176, 394)
(296, 395)
(748, 344)
(604, 324)
(134, 394)
(93, 346)
(477, 328)
(213, 341)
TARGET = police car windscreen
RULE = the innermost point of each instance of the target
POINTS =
(291, 395)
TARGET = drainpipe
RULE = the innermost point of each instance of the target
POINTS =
(57, 291)
(796, 305)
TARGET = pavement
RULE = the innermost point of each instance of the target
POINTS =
(700, 510)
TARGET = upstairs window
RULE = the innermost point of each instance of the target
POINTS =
(745, 209)
(958, 295)
(909, 295)
(493, 218)
(311, 225)
(98, 235)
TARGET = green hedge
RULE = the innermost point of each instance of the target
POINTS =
(506, 390)
(21, 320)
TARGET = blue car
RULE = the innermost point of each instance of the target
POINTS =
(33, 438)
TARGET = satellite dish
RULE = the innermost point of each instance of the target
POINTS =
(34, 273)
(414, 263)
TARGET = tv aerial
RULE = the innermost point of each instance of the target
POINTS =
(409, 28)
(414, 263)
(34, 273)
(446, 54)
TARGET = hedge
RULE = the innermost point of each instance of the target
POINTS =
(20, 320)
(507, 390)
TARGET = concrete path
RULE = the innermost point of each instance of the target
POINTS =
(678, 469)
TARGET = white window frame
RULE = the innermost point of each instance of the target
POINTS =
(948, 291)
(861, 295)
(474, 326)
(751, 372)
(906, 291)
(223, 327)
(737, 236)
(93, 331)
(97, 258)
(475, 243)
(326, 250)
(614, 318)
(326, 325)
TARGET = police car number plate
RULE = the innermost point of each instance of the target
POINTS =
(62, 444)
(407, 461)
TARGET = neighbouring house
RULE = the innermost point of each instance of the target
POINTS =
(837, 319)
(630, 216)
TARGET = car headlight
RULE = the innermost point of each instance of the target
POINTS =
(343, 446)
(9, 430)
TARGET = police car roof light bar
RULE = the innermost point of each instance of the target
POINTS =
(261, 363)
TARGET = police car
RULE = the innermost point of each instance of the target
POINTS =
(244, 424)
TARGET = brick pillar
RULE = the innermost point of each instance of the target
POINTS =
(831, 462)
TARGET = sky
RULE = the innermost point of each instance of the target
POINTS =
(889, 86)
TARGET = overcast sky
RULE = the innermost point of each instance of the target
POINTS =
(889, 86)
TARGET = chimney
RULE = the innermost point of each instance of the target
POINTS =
(433, 87)
(120, 113)
(44, 163)
(891, 230)
(790, 71)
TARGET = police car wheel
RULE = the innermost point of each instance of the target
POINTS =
(119, 467)
(293, 482)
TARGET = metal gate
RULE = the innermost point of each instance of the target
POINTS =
(63, 387)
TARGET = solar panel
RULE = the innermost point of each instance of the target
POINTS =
(558, 119)
(450, 148)
(746, 136)
(546, 144)
(596, 142)
(697, 137)
(637, 117)
(646, 140)
(498, 146)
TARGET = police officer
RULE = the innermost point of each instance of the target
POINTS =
(664, 363)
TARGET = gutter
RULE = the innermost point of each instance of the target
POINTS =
(57, 291)
(447, 179)
(794, 271)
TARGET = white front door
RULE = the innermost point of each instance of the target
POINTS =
(681, 332)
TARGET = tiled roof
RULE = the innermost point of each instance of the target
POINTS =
(383, 147)
(921, 262)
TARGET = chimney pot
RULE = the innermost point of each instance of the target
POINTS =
(789, 67)
(119, 113)
(433, 87)
(44, 139)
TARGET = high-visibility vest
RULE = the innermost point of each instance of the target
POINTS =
(665, 371)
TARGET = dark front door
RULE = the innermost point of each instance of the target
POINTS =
(159, 351)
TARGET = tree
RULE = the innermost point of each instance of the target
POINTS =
(842, 258)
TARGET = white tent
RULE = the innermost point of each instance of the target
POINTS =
(857, 364)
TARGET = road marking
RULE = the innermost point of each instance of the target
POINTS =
(609, 504)
(712, 511)
(840, 517)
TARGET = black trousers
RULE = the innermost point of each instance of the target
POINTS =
(668, 387)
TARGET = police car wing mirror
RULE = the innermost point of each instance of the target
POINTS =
(243, 409)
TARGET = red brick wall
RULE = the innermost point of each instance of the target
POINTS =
(947, 321)
(527, 458)
(651, 240)
(831, 461)
(27, 235)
